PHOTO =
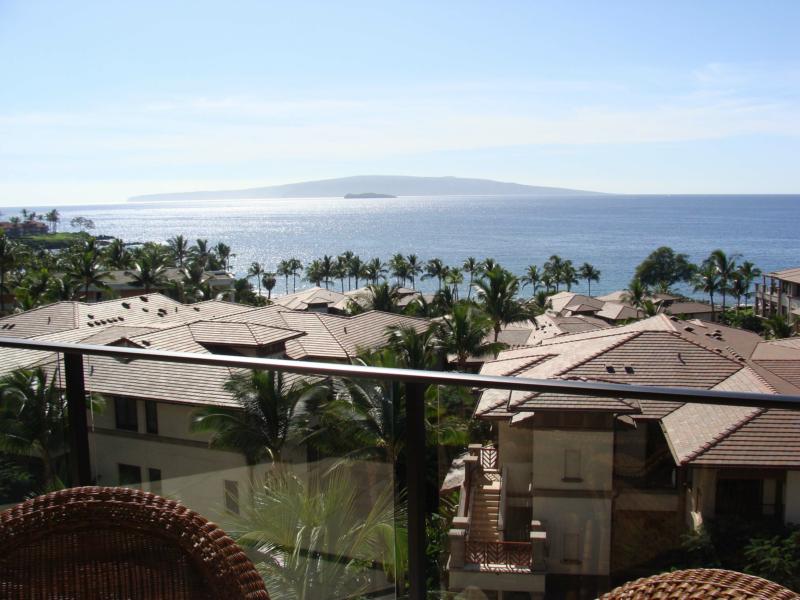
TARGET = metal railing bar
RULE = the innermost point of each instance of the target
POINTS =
(588, 388)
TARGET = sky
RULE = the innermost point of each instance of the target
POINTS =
(103, 99)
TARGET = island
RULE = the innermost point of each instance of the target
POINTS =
(367, 195)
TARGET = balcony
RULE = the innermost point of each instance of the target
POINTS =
(381, 538)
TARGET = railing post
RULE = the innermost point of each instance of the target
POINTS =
(415, 456)
(80, 464)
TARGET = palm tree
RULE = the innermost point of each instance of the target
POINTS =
(569, 276)
(179, 247)
(553, 268)
(414, 269)
(33, 419)
(412, 349)
(355, 269)
(707, 280)
(200, 252)
(314, 272)
(383, 297)
(463, 334)
(488, 264)
(345, 258)
(54, 218)
(748, 273)
(726, 268)
(270, 413)
(256, 270)
(195, 281)
(434, 269)
(497, 292)
(532, 277)
(340, 271)
(453, 279)
(374, 270)
(326, 266)
(269, 281)
(295, 268)
(590, 274)
(471, 267)
(547, 281)
(398, 268)
(223, 253)
(284, 270)
(149, 272)
(312, 537)
(117, 255)
(84, 268)
(636, 294)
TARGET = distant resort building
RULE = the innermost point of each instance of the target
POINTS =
(121, 284)
(779, 294)
(27, 227)
(318, 299)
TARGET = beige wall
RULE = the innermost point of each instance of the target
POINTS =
(596, 450)
(701, 497)
(792, 497)
(515, 454)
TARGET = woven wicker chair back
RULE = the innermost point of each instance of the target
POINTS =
(95, 543)
(697, 584)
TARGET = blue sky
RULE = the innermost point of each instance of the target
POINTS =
(101, 100)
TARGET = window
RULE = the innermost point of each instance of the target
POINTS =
(154, 475)
(232, 496)
(572, 465)
(130, 475)
(571, 549)
(151, 416)
(126, 414)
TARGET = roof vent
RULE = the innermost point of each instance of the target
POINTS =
(629, 369)
(11, 325)
(90, 324)
(145, 309)
(718, 350)
(674, 319)
(610, 369)
(689, 329)
(145, 342)
(144, 298)
(197, 308)
(345, 330)
(91, 370)
(90, 316)
(121, 318)
(126, 305)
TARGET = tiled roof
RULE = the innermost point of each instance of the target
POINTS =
(788, 370)
(574, 402)
(769, 439)
(694, 428)
(792, 275)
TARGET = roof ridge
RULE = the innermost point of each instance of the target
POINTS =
(630, 336)
(723, 434)
(333, 335)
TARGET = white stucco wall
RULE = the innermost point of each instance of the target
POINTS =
(596, 459)
(515, 446)
(792, 497)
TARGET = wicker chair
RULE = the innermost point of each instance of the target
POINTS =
(115, 543)
(695, 584)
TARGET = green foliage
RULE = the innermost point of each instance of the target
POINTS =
(743, 318)
(775, 558)
(664, 266)
(320, 538)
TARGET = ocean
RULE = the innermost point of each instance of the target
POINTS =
(614, 233)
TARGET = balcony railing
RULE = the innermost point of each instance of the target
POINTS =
(514, 554)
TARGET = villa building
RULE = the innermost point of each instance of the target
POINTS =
(121, 283)
(580, 491)
(143, 435)
(779, 294)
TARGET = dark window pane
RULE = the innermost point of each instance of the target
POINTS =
(130, 475)
(154, 475)
(151, 413)
(125, 413)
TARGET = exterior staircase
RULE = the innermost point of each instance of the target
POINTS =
(485, 508)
